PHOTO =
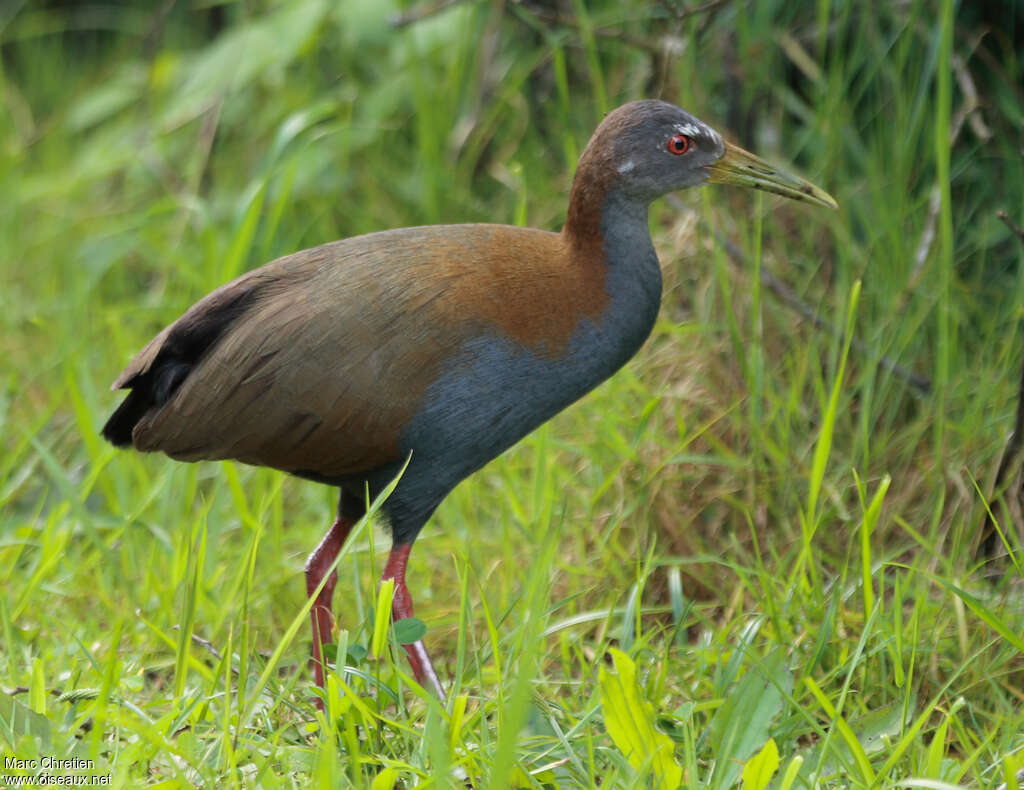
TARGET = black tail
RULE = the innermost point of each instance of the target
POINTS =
(118, 430)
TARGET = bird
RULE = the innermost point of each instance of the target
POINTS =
(432, 348)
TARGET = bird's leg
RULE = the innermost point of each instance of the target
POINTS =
(316, 566)
(401, 607)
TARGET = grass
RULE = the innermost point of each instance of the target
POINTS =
(748, 557)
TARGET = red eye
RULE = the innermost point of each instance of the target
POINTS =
(679, 144)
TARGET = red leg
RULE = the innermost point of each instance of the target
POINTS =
(316, 566)
(401, 607)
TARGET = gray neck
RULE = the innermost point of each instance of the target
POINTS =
(634, 274)
(627, 238)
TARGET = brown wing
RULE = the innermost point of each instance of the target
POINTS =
(316, 361)
(311, 375)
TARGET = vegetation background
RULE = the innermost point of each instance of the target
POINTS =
(774, 512)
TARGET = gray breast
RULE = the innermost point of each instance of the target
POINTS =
(493, 392)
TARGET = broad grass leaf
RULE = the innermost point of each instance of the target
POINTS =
(629, 719)
(745, 717)
(19, 720)
(760, 768)
(409, 630)
(385, 780)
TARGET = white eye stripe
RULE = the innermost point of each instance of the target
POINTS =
(698, 130)
(689, 129)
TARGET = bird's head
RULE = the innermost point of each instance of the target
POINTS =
(649, 148)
